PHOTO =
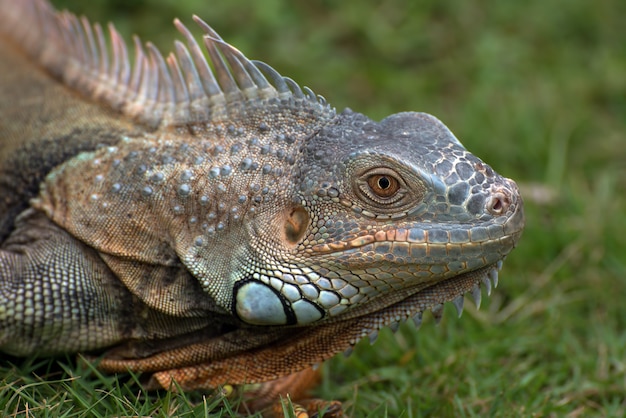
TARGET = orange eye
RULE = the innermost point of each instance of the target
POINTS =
(383, 185)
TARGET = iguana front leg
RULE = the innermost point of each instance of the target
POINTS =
(56, 294)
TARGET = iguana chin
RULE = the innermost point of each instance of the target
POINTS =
(209, 221)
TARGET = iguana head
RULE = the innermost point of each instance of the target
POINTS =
(378, 211)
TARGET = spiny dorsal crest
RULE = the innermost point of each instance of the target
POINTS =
(158, 91)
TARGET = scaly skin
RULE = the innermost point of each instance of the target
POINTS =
(222, 226)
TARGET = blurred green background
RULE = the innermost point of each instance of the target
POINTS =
(537, 89)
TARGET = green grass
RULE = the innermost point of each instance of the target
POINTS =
(538, 90)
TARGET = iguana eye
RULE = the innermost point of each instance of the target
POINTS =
(383, 185)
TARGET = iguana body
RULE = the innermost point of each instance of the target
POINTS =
(219, 225)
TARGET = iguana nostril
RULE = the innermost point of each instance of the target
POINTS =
(497, 204)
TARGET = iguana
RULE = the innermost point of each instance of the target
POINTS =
(209, 221)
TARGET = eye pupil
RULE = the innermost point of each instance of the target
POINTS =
(383, 185)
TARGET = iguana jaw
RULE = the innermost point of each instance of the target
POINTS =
(431, 298)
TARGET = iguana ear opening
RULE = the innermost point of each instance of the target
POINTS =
(296, 223)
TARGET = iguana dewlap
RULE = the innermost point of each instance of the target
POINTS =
(210, 221)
